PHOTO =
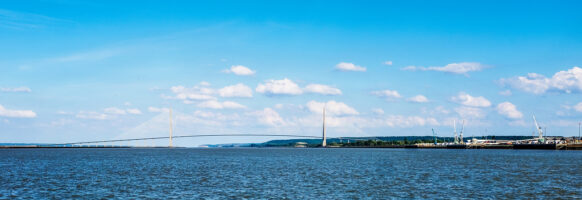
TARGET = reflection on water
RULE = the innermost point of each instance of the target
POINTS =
(289, 173)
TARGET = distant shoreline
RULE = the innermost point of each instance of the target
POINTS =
(454, 146)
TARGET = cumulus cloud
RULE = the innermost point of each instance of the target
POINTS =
(470, 112)
(331, 108)
(509, 110)
(269, 117)
(409, 121)
(455, 68)
(133, 111)
(389, 62)
(110, 113)
(238, 90)
(418, 99)
(389, 94)
(378, 111)
(197, 93)
(279, 87)
(156, 110)
(16, 89)
(322, 89)
(239, 70)
(578, 107)
(212, 104)
(119, 111)
(92, 115)
(468, 100)
(115, 111)
(505, 93)
(16, 113)
(344, 66)
(569, 81)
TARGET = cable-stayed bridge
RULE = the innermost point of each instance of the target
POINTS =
(189, 136)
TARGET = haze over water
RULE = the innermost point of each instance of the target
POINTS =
(280, 173)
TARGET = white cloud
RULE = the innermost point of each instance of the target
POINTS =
(92, 115)
(344, 66)
(387, 93)
(418, 99)
(220, 105)
(197, 93)
(455, 68)
(133, 111)
(389, 62)
(470, 112)
(269, 117)
(115, 111)
(60, 112)
(411, 68)
(16, 89)
(322, 89)
(578, 107)
(16, 113)
(378, 111)
(239, 70)
(279, 106)
(331, 108)
(509, 110)
(441, 110)
(110, 113)
(532, 83)
(410, 121)
(468, 100)
(568, 81)
(238, 90)
(155, 109)
(279, 87)
(505, 93)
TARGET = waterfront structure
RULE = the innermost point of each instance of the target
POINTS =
(539, 129)
(323, 141)
(462, 129)
(455, 127)
(171, 128)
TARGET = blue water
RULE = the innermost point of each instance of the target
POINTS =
(276, 173)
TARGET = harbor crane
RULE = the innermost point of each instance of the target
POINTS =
(462, 130)
(455, 127)
(539, 129)
(435, 137)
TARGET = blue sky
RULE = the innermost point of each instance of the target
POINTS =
(74, 70)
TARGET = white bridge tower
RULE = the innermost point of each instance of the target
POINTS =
(171, 127)
(323, 140)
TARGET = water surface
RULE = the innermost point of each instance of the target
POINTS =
(281, 173)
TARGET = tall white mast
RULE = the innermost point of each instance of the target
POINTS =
(171, 127)
(323, 142)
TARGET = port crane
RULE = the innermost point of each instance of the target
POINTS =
(435, 137)
(462, 129)
(539, 129)
(455, 127)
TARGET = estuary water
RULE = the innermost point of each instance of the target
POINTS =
(280, 173)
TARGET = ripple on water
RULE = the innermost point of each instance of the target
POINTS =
(289, 173)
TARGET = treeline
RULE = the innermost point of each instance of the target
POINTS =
(375, 141)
